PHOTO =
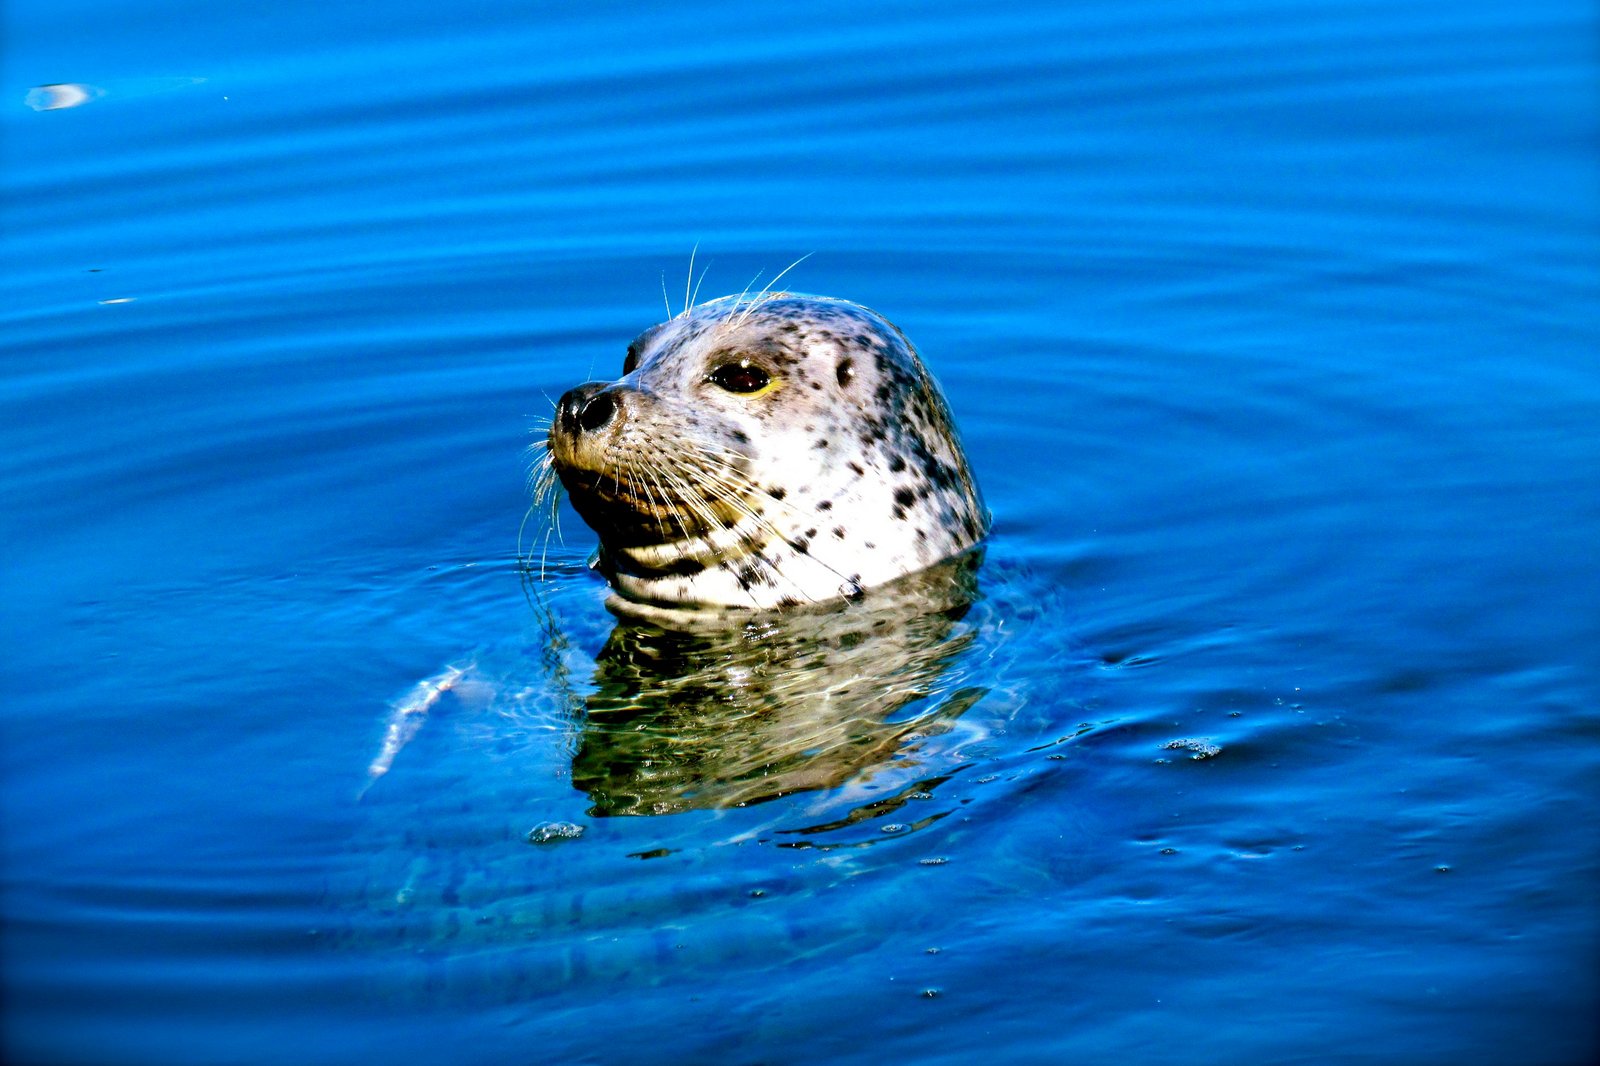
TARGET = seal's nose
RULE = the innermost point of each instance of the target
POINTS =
(597, 412)
(588, 408)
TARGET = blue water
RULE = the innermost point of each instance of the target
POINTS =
(1273, 330)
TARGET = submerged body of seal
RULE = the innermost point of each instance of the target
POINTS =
(766, 452)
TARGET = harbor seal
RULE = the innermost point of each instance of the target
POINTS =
(765, 452)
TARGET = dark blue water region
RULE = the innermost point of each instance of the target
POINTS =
(1270, 735)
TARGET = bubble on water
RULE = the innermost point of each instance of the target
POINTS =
(931, 951)
(554, 832)
(60, 96)
(931, 993)
(1198, 747)
(936, 860)
(1441, 869)
(1169, 851)
(895, 827)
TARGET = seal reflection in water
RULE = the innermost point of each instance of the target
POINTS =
(782, 455)
(807, 699)
(764, 453)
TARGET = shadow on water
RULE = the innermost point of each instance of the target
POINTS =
(712, 715)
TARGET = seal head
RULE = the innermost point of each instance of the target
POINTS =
(764, 453)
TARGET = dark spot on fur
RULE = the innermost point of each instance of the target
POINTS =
(825, 505)
(778, 493)
(904, 497)
(801, 545)
(838, 531)
(897, 464)
(750, 575)
(856, 468)
(740, 436)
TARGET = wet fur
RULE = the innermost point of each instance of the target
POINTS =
(843, 474)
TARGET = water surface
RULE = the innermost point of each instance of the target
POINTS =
(1270, 736)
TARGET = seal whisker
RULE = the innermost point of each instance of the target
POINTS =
(725, 490)
(689, 505)
(688, 280)
(694, 299)
(670, 502)
(663, 502)
(543, 462)
(550, 488)
(751, 550)
(760, 296)
(691, 498)
(739, 300)
(728, 491)
(546, 486)
(546, 490)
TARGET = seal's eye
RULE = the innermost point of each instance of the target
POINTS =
(739, 377)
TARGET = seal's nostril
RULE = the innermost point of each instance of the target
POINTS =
(597, 412)
(573, 407)
(568, 412)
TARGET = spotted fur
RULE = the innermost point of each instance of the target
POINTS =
(844, 472)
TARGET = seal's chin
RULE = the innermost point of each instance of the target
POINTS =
(647, 523)
(627, 513)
